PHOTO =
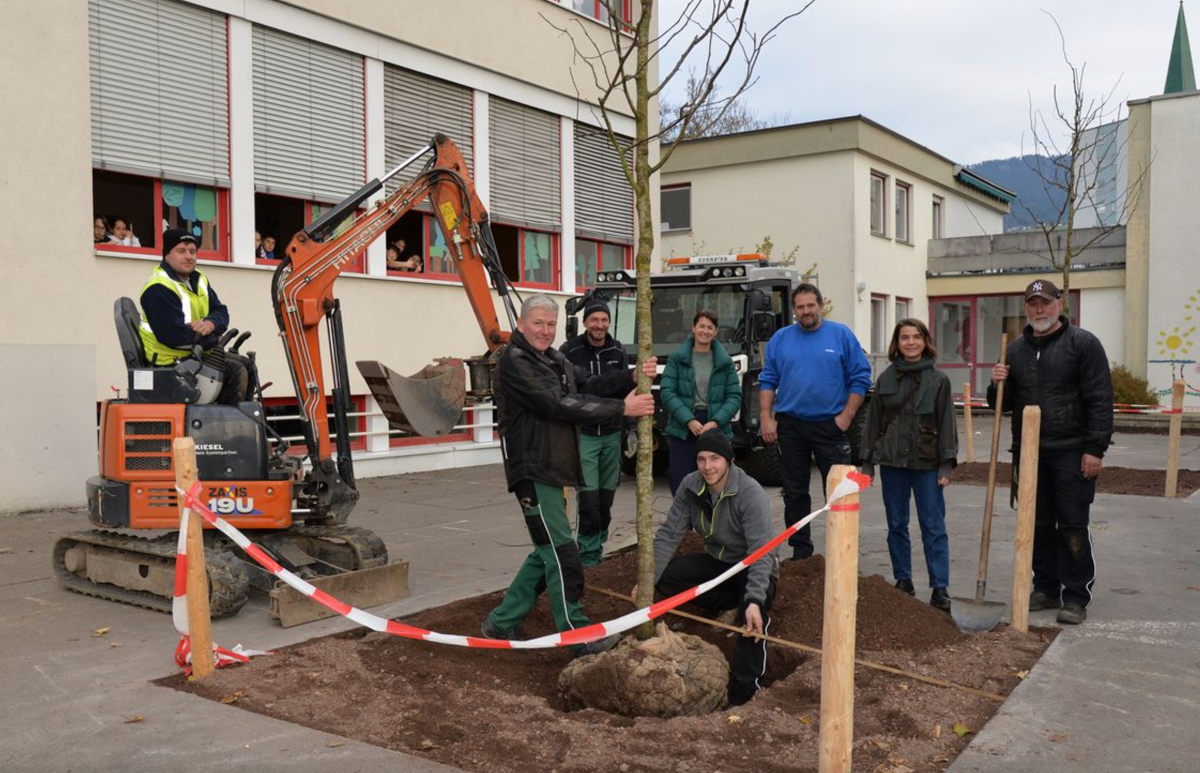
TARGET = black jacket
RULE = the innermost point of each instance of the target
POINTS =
(895, 435)
(610, 357)
(1066, 374)
(541, 408)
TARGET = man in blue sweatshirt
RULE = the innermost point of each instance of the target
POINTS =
(814, 377)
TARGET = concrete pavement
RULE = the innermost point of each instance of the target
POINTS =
(1117, 693)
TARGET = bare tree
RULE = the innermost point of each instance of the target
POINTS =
(715, 45)
(1069, 170)
(734, 116)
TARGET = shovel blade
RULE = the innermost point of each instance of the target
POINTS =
(428, 402)
(976, 615)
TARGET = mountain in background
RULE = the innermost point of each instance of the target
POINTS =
(1023, 175)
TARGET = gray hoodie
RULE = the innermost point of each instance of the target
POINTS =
(737, 525)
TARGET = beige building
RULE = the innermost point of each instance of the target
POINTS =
(245, 120)
(848, 198)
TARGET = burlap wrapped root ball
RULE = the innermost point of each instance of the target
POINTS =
(669, 675)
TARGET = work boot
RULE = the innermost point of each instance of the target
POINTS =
(1072, 613)
(906, 586)
(1039, 600)
(940, 599)
(728, 617)
(598, 646)
(493, 631)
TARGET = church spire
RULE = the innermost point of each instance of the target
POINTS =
(1180, 75)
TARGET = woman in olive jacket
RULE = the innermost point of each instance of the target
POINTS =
(700, 390)
(910, 433)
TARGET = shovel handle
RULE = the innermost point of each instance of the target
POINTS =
(985, 540)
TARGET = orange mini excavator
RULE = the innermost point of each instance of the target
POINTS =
(296, 508)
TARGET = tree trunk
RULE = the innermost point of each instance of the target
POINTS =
(645, 338)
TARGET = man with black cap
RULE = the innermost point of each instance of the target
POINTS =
(1063, 369)
(180, 310)
(597, 352)
(732, 514)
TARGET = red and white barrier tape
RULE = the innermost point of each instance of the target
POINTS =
(179, 615)
(853, 483)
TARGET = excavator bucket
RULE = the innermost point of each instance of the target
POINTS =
(428, 402)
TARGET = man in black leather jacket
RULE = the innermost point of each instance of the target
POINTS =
(1064, 370)
(542, 399)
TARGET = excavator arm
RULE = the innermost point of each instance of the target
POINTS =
(302, 293)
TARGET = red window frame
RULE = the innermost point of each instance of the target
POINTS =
(598, 5)
(223, 226)
(356, 266)
(975, 366)
(430, 228)
(626, 261)
(555, 259)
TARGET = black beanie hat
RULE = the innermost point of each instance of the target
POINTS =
(173, 236)
(716, 441)
(594, 305)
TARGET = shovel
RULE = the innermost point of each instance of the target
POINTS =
(977, 615)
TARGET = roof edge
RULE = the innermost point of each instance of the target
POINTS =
(983, 185)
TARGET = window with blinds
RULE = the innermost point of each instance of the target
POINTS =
(525, 157)
(159, 94)
(603, 197)
(415, 108)
(309, 124)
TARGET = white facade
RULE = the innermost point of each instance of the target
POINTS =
(809, 188)
(1163, 274)
(62, 290)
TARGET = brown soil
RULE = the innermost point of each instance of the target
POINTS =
(1112, 480)
(500, 710)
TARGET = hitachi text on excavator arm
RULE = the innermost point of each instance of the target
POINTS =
(428, 402)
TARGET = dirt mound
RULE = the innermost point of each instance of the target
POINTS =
(1112, 480)
(501, 710)
(668, 675)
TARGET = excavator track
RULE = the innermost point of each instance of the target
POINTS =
(140, 570)
(349, 547)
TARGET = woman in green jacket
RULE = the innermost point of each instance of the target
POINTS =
(700, 390)
(910, 433)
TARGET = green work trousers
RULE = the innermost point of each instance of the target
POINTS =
(554, 563)
(600, 457)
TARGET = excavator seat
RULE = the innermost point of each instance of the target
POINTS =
(147, 383)
(129, 320)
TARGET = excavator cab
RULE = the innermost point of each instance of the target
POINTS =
(189, 381)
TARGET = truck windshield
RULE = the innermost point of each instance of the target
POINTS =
(672, 312)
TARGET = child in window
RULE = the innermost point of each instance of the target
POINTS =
(100, 234)
(122, 233)
(396, 260)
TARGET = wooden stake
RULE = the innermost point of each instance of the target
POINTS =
(199, 621)
(969, 428)
(1173, 442)
(837, 635)
(1031, 431)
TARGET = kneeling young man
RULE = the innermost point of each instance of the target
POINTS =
(732, 514)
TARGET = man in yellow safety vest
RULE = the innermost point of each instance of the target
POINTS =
(181, 310)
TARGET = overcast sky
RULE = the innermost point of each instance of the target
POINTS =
(954, 75)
